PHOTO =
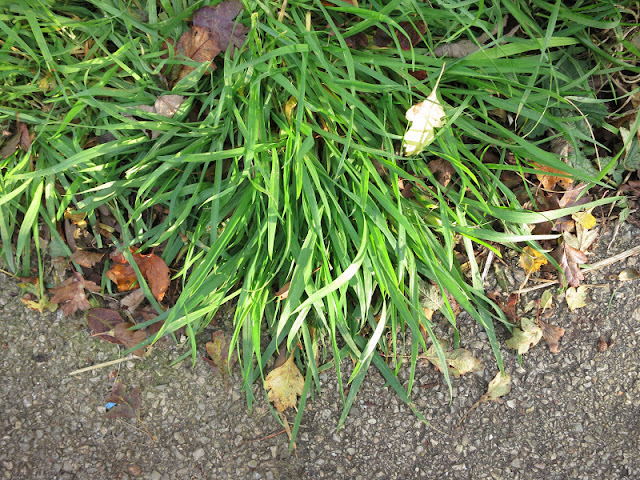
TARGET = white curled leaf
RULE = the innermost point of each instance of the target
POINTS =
(425, 117)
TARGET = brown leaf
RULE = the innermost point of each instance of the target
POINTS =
(152, 268)
(218, 351)
(442, 170)
(133, 300)
(127, 404)
(570, 197)
(70, 294)
(198, 44)
(102, 321)
(456, 50)
(129, 338)
(570, 259)
(551, 335)
(219, 19)
(86, 258)
(549, 182)
(415, 31)
(19, 139)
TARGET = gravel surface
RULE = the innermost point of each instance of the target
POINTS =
(573, 415)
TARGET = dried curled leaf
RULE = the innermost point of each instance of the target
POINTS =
(498, 387)
(551, 335)
(152, 268)
(525, 337)
(127, 405)
(284, 385)
(70, 294)
(425, 117)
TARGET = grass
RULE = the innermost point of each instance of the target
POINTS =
(284, 165)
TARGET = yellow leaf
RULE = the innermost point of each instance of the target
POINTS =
(531, 260)
(576, 297)
(284, 384)
(585, 219)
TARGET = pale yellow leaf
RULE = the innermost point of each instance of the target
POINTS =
(499, 386)
(425, 117)
(576, 297)
(284, 384)
(525, 337)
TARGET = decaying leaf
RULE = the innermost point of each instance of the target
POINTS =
(570, 261)
(442, 170)
(531, 260)
(552, 177)
(459, 360)
(213, 31)
(218, 350)
(629, 273)
(86, 258)
(425, 117)
(410, 35)
(525, 337)
(70, 294)
(20, 139)
(152, 268)
(585, 219)
(498, 387)
(430, 295)
(546, 300)
(109, 326)
(132, 301)
(284, 385)
(551, 335)
(219, 19)
(127, 405)
(576, 297)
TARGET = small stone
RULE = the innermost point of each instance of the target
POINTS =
(198, 454)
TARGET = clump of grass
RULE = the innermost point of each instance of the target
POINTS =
(285, 164)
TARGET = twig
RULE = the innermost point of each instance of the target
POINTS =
(282, 9)
(271, 435)
(288, 430)
(102, 365)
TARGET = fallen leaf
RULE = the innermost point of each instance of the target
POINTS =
(284, 385)
(570, 259)
(525, 337)
(70, 294)
(37, 303)
(585, 219)
(410, 35)
(576, 297)
(198, 44)
(103, 321)
(628, 273)
(546, 300)
(152, 268)
(442, 170)
(531, 260)
(20, 139)
(127, 405)
(133, 300)
(498, 387)
(429, 295)
(129, 338)
(85, 258)
(219, 19)
(218, 350)
(425, 117)
(551, 335)
(456, 50)
(460, 361)
(548, 181)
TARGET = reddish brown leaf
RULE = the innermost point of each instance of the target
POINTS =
(219, 19)
(70, 294)
(551, 335)
(85, 258)
(152, 268)
(127, 404)
(554, 176)
(19, 139)
(129, 338)
(123, 275)
(413, 30)
(102, 321)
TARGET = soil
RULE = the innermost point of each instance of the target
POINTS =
(574, 414)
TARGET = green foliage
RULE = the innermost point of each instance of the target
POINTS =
(284, 164)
